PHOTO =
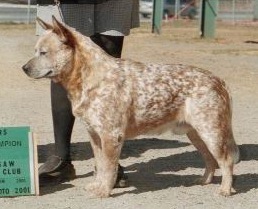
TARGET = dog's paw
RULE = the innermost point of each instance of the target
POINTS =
(206, 178)
(98, 190)
(202, 181)
(226, 192)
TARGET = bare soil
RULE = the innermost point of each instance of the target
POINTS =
(161, 169)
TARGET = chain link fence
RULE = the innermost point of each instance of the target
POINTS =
(237, 10)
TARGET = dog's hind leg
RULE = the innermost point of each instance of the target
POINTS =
(227, 156)
(210, 162)
(222, 146)
(106, 151)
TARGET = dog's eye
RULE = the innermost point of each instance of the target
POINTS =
(43, 53)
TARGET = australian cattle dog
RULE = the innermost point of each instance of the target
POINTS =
(119, 99)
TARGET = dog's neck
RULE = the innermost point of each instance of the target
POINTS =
(87, 69)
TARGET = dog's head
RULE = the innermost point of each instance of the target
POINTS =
(53, 51)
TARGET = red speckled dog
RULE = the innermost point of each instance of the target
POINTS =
(119, 99)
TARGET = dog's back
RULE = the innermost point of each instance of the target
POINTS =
(169, 93)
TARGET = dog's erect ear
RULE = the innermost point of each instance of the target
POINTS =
(43, 24)
(63, 32)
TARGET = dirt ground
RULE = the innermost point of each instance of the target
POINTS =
(161, 172)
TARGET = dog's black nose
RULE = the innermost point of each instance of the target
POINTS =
(25, 68)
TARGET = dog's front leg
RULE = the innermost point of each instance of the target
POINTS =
(106, 151)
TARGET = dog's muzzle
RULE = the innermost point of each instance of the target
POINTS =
(36, 73)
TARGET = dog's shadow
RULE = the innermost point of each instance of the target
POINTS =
(82, 150)
(159, 173)
(54, 188)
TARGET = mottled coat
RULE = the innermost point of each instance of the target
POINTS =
(119, 99)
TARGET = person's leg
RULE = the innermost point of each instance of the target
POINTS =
(63, 121)
(58, 167)
(113, 45)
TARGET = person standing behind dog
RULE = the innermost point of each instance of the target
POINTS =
(106, 22)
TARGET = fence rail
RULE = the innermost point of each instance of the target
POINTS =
(17, 13)
(234, 10)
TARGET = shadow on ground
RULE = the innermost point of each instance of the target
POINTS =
(82, 150)
(157, 174)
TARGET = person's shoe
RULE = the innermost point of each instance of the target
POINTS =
(56, 171)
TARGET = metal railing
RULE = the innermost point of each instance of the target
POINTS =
(17, 13)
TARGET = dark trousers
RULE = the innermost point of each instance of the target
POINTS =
(63, 119)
